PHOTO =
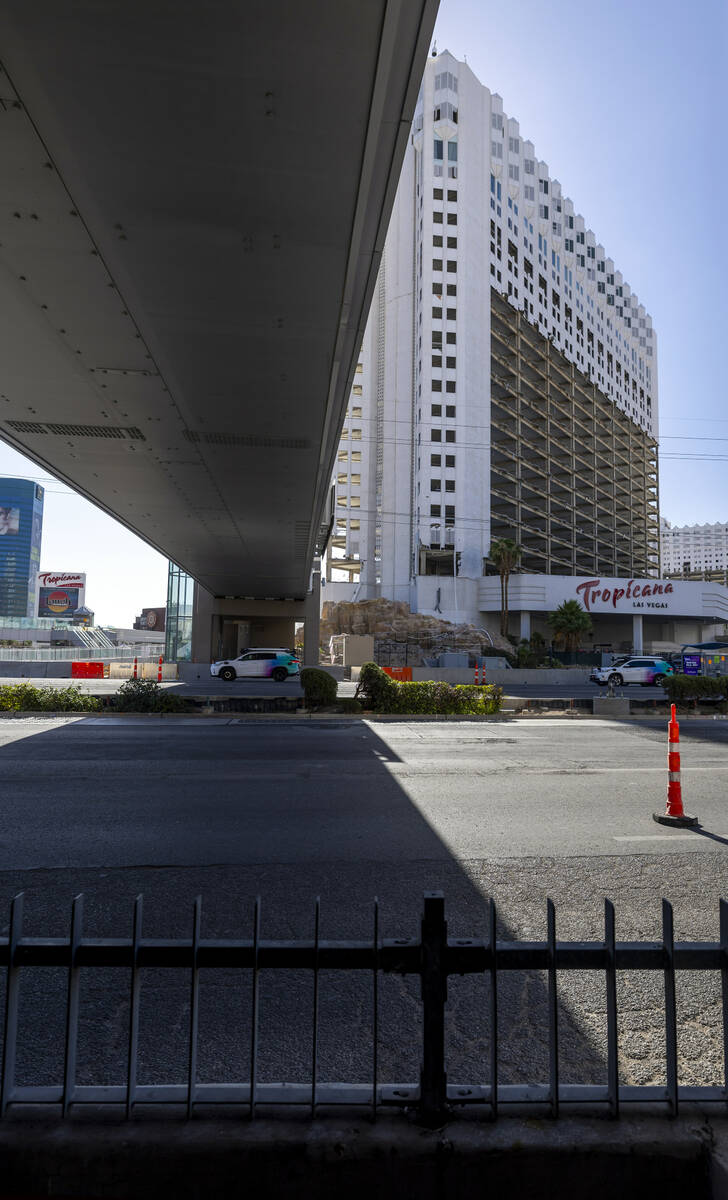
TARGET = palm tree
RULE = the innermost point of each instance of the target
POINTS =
(569, 622)
(504, 553)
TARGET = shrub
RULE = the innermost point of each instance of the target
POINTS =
(146, 696)
(383, 694)
(348, 704)
(375, 689)
(319, 687)
(25, 697)
(681, 688)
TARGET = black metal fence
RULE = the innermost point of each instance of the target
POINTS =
(433, 957)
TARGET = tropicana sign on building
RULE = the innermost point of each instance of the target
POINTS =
(643, 593)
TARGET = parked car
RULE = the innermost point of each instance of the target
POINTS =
(260, 663)
(649, 672)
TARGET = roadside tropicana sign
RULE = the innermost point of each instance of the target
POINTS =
(623, 594)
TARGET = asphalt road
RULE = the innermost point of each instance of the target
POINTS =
(232, 809)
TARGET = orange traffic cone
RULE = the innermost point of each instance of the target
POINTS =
(674, 813)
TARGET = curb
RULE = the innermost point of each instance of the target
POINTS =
(243, 717)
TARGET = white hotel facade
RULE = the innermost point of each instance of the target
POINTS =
(692, 548)
(507, 381)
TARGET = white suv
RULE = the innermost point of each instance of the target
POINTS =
(650, 672)
(260, 663)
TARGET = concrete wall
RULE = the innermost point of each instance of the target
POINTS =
(633, 1158)
(35, 670)
(575, 675)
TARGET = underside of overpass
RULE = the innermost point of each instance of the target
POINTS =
(194, 202)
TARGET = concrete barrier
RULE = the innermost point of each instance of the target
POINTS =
(35, 670)
(574, 675)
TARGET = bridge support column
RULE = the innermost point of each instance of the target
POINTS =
(312, 620)
(637, 642)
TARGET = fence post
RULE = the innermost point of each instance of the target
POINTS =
(433, 974)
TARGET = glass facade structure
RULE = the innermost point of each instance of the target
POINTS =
(21, 529)
(178, 629)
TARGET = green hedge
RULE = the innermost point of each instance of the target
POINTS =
(681, 688)
(319, 687)
(380, 693)
(25, 697)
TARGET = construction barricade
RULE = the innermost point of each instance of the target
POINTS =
(674, 813)
(89, 670)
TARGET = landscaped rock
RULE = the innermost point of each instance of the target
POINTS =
(403, 638)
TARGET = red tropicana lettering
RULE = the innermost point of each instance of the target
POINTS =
(636, 591)
(586, 589)
(606, 594)
(668, 588)
(629, 588)
(617, 595)
(647, 590)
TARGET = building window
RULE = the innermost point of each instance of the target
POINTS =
(436, 435)
(449, 460)
(543, 212)
(452, 265)
(450, 385)
(449, 435)
(437, 218)
(436, 410)
(435, 460)
(449, 410)
(513, 171)
(529, 192)
(438, 150)
(449, 485)
(496, 149)
(435, 485)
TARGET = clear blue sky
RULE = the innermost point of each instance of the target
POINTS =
(626, 103)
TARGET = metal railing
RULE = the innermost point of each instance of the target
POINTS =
(433, 957)
(75, 653)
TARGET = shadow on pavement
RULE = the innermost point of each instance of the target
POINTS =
(280, 811)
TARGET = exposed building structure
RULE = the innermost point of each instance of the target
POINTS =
(694, 550)
(507, 381)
